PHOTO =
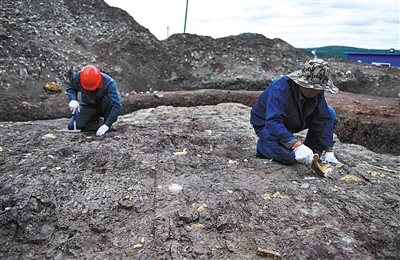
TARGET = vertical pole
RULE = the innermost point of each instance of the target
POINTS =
(167, 32)
(184, 28)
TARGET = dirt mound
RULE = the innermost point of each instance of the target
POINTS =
(47, 40)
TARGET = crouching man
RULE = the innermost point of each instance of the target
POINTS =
(291, 104)
(101, 101)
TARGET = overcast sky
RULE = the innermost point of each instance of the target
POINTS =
(302, 24)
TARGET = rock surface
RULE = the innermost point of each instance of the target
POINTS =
(46, 41)
(184, 183)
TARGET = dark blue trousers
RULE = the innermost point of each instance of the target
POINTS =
(88, 118)
(272, 150)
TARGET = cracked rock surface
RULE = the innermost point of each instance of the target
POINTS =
(184, 183)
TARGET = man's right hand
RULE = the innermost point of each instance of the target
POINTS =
(303, 154)
(74, 106)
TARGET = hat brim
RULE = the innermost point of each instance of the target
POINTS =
(329, 86)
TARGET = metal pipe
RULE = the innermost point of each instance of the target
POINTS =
(184, 28)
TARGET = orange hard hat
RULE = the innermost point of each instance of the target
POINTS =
(90, 77)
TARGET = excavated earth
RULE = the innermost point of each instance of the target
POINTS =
(177, 177)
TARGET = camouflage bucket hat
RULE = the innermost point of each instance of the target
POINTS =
(315, 74)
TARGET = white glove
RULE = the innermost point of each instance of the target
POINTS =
(303, 154)
(330, 157)
(102, 130)
(74, 106)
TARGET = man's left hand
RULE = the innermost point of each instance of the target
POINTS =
(102, 130)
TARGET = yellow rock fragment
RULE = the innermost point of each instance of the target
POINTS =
(20, 163)
(227, 120)
(197, 225)
(49, 136)
(180, 153)
(142, 240)
(348, 177)
(266, 196)
(1, 149)
(386, 194)
(88, 198)
(277, 195)
(268, 253)
(376, 174)
(203, 207)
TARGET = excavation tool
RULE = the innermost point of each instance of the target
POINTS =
(73, 130)
(319, 169)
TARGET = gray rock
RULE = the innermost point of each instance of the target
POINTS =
(100, 196)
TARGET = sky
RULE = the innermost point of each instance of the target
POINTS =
(302, 24)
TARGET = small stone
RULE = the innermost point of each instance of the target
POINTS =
(203, 207)
(350, 177)
(159, 96)
(138, 246)
(305, 186)
(198, 225)
(49, 136)
(175, 188)
(277, 195)
(266, 196)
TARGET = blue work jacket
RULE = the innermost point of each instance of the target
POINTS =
(93, 98)
(281, 110)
